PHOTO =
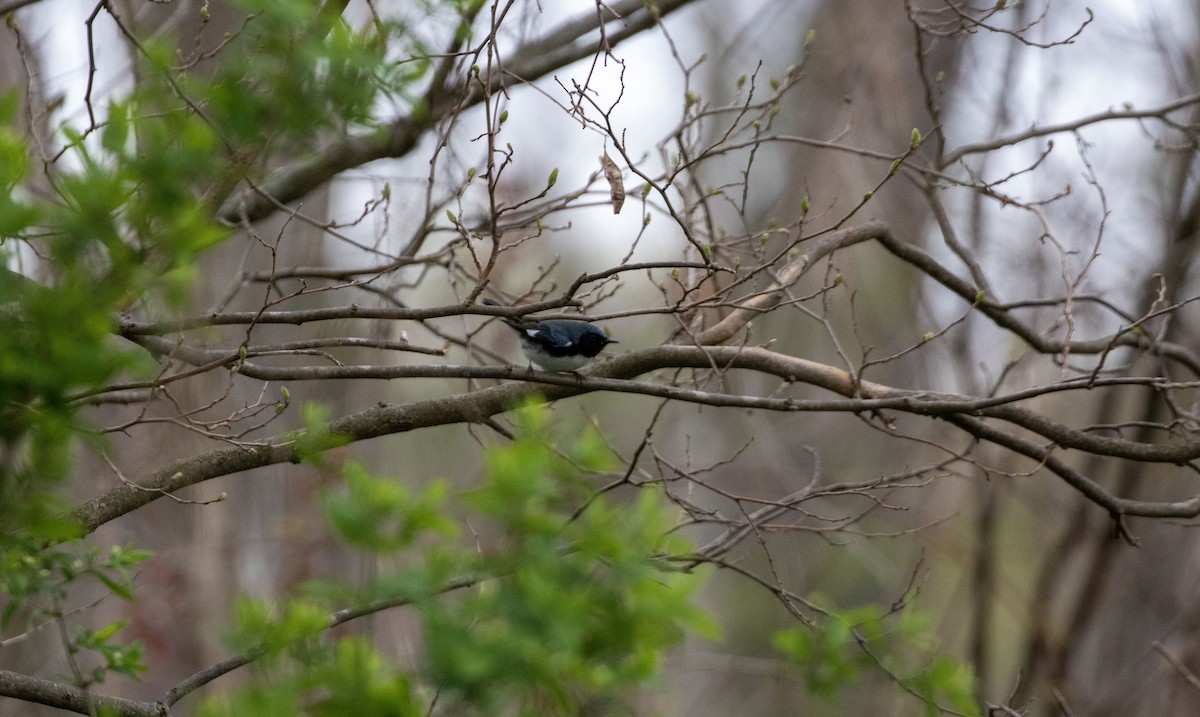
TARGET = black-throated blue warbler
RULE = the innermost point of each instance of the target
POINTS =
(558, 344)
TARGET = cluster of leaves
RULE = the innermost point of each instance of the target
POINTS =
(121, 221)
(574, 606)
(130, 208)
(117, 223)
(290, 73)
(55, 335)
(115, 230)
(841, 645)
(35, 586)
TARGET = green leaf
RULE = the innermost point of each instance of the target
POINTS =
(118, 588)
(116, 130)
(316, 438)
(108, 631)
(383, 515)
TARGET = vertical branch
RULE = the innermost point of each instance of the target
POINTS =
(493, 118)
(983, 586)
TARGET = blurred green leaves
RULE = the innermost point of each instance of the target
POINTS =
(585, 605)
(34, 584)
(841, 645)
(123, 659)
(566, 606)
(315, 439)
(385, 516)
(120, 217)
(291, 72)
(117, 221)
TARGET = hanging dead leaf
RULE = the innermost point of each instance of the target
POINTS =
(616, 185)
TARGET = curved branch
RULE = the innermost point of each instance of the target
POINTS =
(1116, 506)
(340, 617)
(131, 328)
(1071, 126)
(387, 419)
(770, 298)
(56, 694)
(73, 699)
(1004, 319)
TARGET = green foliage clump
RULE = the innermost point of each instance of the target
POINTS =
(583, 606)
(35, 583)
(573, 604)
(131, 207)
(841, 645)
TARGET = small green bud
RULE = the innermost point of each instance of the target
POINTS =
(553, 178)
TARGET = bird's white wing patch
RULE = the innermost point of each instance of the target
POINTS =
(549, 335)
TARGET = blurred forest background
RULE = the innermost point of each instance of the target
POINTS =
(976, 223)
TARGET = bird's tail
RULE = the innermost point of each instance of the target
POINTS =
(516, 325)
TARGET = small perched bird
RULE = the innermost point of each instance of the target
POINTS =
(558, 344)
